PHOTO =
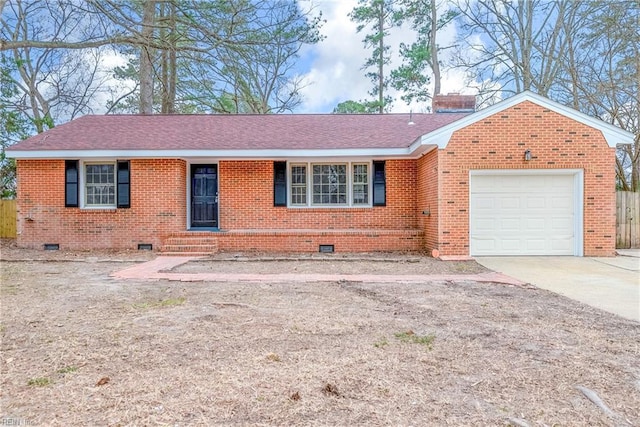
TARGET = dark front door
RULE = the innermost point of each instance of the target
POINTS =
(204, 196)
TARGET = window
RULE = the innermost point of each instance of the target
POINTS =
(299, 185)
(361, 184)
(329, 184)
(100, 184)
(97, 185)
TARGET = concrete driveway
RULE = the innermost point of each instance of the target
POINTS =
(611, 284)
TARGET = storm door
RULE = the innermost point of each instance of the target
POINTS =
(204, 196)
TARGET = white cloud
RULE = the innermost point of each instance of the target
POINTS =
(110, 88)
(334, 73)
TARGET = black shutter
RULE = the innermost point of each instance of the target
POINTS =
(379, 184)
(279, 183)
(71, 173)
(124, 184)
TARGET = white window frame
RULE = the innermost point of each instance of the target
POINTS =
(309, 184)
(290, 184)
(83, 184)
(367, 184)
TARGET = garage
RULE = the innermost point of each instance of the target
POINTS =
(537, 212)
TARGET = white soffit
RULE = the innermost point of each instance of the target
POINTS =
(613, 134)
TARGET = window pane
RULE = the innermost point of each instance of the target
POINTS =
(100, 189)
(211, 187)
(360, 184)
(298, 185)
(330, 184)
(298, 174)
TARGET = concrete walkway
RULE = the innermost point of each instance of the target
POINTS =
(160, 269)
(611, 284)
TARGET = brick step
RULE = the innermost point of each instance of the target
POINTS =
(190, 244)
(188, 241)
(211, 234)
(186, 253)
(190, 248)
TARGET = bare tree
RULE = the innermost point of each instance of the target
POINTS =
(583, 54)
(518, 45)
(240, 49)
(51, 83)
(603, 76)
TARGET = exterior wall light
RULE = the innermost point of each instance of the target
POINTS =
(527, 155)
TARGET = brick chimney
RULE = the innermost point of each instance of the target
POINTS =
(454, 103)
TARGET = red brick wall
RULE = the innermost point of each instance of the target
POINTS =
(158, 198)
(158, 209)
(310, 240)
(427, 198)
(246, 202)
(499, 142)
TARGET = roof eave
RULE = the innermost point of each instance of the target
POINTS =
(413, 151)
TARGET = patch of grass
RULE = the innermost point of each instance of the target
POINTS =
(169, 302)
(381, 342)
(273, 357)
(384, 392)
(412, 337)
(39, 382)
(67, 370)
(8, 289)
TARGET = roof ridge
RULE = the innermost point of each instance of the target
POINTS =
(263, 115)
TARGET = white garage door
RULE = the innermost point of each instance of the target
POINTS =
(522, 214)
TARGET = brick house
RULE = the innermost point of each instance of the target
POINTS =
(526, 176)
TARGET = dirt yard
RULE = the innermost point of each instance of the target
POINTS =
(80, 348)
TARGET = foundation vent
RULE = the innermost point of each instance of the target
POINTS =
(326, 249)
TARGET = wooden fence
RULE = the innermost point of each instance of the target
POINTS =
(8, 219)
(627, 220)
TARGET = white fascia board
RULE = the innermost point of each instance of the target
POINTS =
(368, 153)
(612, 134)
